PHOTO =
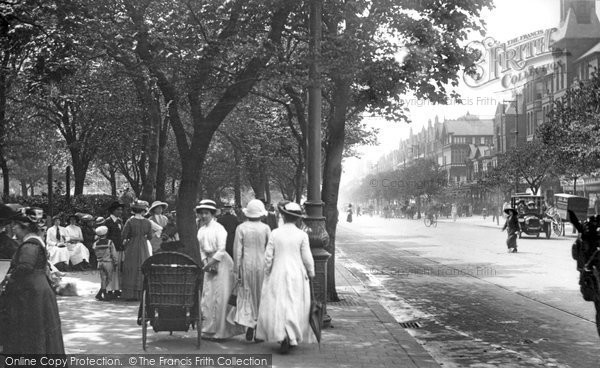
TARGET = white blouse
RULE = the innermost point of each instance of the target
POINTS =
(212, 239)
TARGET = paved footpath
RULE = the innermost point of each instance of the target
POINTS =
(363, 333)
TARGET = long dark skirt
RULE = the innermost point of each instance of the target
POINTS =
(511, 241)
(34, 325)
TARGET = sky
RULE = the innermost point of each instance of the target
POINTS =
(509, 19)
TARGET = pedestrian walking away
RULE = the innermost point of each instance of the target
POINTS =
(136, 236)
(251, 239)
(283, 316)
(512, 228)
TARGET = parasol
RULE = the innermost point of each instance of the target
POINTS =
(315, 317)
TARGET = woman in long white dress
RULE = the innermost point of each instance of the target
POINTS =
(58, 254)
(251, 239)
(285, 296)
(74, 237)
(218, 277)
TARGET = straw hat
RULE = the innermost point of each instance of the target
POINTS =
(207, 204)
(290, 208)
(158, 204)
(507, 210)
(99, 221)
(139, 205)
(255, 209)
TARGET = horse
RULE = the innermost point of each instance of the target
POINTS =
(586, 251)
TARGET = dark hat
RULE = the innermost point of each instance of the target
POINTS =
(290, 208)
(6, 212)
(507, 210)
(113, 206)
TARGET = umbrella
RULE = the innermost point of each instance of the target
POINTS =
(315, 317)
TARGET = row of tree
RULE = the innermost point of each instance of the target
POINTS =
(566, 146)
(210, 96)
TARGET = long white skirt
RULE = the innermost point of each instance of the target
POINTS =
(78, 253)
(57, 255)
(285, 305)
(215, 295)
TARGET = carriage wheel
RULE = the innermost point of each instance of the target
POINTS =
(144, 327)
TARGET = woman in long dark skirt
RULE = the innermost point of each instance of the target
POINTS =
(136, 235)
(512, 228)
(34, 322)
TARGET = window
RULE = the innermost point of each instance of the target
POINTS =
(482, 140)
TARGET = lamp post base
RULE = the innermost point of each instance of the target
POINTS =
(314, 225)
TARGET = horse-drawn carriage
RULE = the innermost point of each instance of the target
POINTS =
(171, 295)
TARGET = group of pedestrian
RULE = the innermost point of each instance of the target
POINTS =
(269, 273)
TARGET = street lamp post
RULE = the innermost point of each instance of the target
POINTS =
(315, 221)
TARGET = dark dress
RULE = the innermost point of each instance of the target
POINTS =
(230, 223)
(136, 234)
(512, 227)
(34, 323)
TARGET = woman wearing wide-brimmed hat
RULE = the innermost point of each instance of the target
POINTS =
(249, 246)
(136, 235)
(285, 296)
(218, 277)
(512, 227)
(33, 319)
(159, 222)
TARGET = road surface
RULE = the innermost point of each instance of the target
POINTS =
(476, 305)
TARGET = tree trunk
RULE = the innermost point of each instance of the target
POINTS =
(332, 174)
(23, 188)
(32, 189)
(154, 120)
(574, 186)
(161, 173)
(3, 134)
(113, 182)
(237, 180)
(186, 202)
(80, 168)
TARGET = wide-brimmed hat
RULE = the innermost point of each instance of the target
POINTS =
(207, 204)
(510, 209)
(255, 209)
(101, 230)
(99, 221)
(531, 203)
(139, 205)
(114, 205)
(290, 208)
(158, 204)
(87, 217)
(27, 215)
